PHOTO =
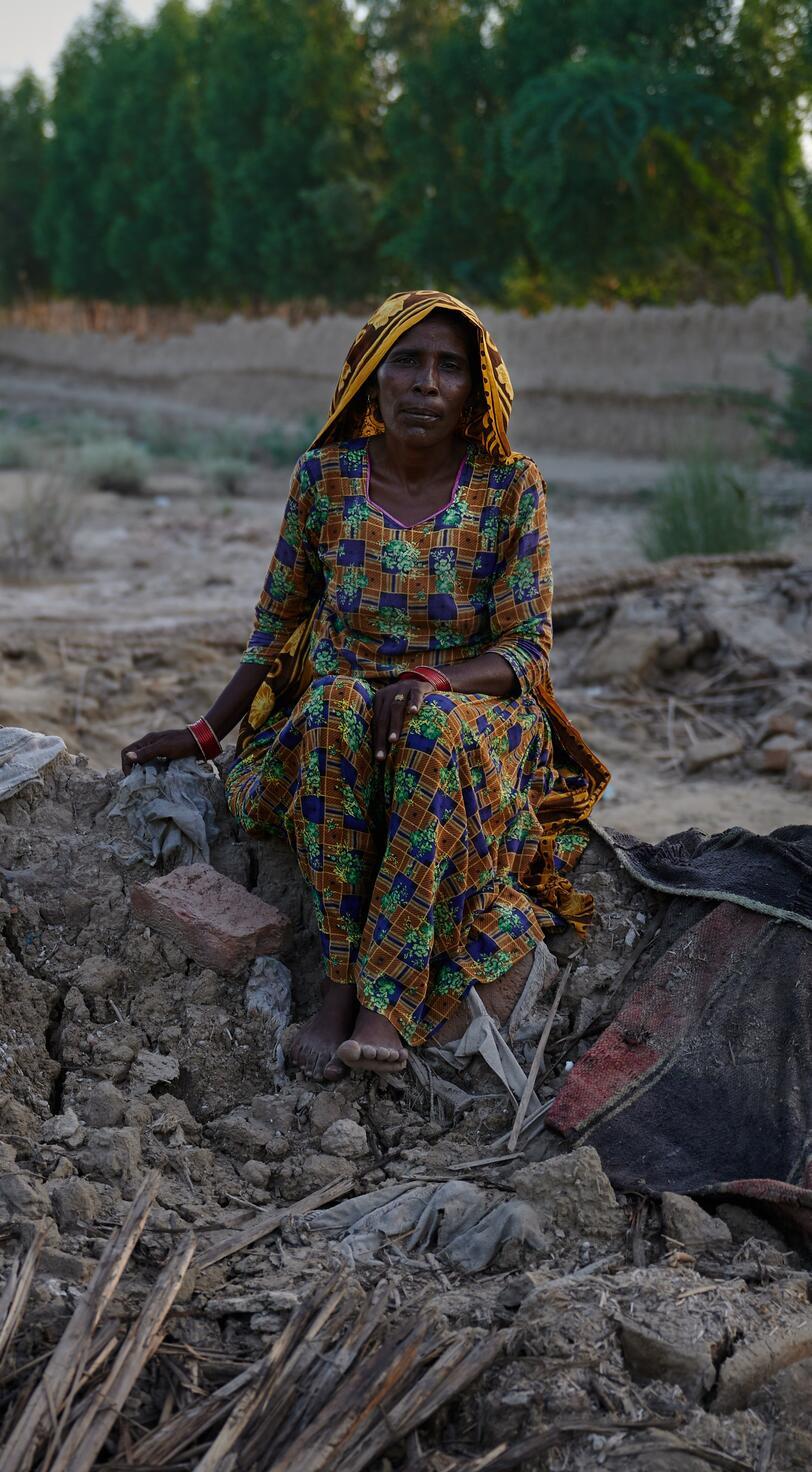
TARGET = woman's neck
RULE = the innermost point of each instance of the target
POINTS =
(410, 466)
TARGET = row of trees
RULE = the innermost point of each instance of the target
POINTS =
(520, 151)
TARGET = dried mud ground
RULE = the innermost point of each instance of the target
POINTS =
(118, 1054)
(146, 621)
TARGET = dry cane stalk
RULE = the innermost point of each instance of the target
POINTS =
(360, 1398)
(57, 1387)
(88, 1434)
(17, 1289)
(262, 1386)
(461, 1363)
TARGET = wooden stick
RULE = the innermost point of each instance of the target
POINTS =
(89, 1432)
(17, 1289)
(268, 1222)
(65, 1368)
(537, 1061)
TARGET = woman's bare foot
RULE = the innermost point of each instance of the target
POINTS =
(375, 1045)
(316, 1044)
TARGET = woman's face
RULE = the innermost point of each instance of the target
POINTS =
(425, 381)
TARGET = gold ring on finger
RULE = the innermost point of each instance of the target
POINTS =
(398, 698)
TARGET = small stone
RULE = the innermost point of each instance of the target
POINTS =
(775, 754)
(240, 1134)
(572, 1193)
(703, 753)
(74, 1202)
(799, 772)
(98, 976)
(111, 1155)
(17, 1119)
(345, 1138)
(746, 1226)
(255, 1172)
(104, 1106)
(66, 1267)
(23, 1194)
(684, 1221)
(174, 1114)
(653, 1356)
(111, 1055)
(298, 1177)
(63, 1129)
(329, 1107)
(274, 1110)
(150, 1069)
(213, 920)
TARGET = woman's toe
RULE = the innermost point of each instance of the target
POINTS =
(333, 1070)
(349, 1052)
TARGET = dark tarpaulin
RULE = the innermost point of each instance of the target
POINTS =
(702, 1084)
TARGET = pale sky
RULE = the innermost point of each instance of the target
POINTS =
(33, 32)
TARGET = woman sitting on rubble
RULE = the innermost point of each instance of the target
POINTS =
(398, 724)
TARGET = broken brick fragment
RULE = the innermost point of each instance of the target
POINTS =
(215, 921)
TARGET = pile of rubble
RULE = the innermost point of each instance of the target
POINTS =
(210, 1263)
(702, 661)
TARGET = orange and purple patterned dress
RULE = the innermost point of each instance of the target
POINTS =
(436, 870)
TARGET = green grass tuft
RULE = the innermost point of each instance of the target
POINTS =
(702, 508)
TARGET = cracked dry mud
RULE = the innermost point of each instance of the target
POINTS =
(118, 1055)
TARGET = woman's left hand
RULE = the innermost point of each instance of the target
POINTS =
(391, 707)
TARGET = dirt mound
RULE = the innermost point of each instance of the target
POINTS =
(596, 1331)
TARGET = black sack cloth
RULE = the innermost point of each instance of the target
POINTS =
(703, 1084)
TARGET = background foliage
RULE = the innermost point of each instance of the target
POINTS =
(524, 152)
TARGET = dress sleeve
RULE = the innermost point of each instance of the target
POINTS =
(295, 577)
(522, 589)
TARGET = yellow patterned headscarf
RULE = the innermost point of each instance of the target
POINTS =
(353, 417)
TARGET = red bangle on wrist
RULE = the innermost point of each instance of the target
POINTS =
(430, 675)
(207, 742)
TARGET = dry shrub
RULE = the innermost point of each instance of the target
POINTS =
(38, 530)
(227, 475)
(15, 450)
(116, 464)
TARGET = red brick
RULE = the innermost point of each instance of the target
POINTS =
(775, 754)
(800, 771)
(215, 921)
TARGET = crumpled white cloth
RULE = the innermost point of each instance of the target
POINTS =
(169, 812)
(464, 1224)
(23, 755)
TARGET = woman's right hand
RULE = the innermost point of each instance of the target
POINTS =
(171, 745)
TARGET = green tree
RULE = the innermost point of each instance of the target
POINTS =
(657, 156)
(22, 174)
(289, 141)
(443, 210)
(79, 209)
(153, 189)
